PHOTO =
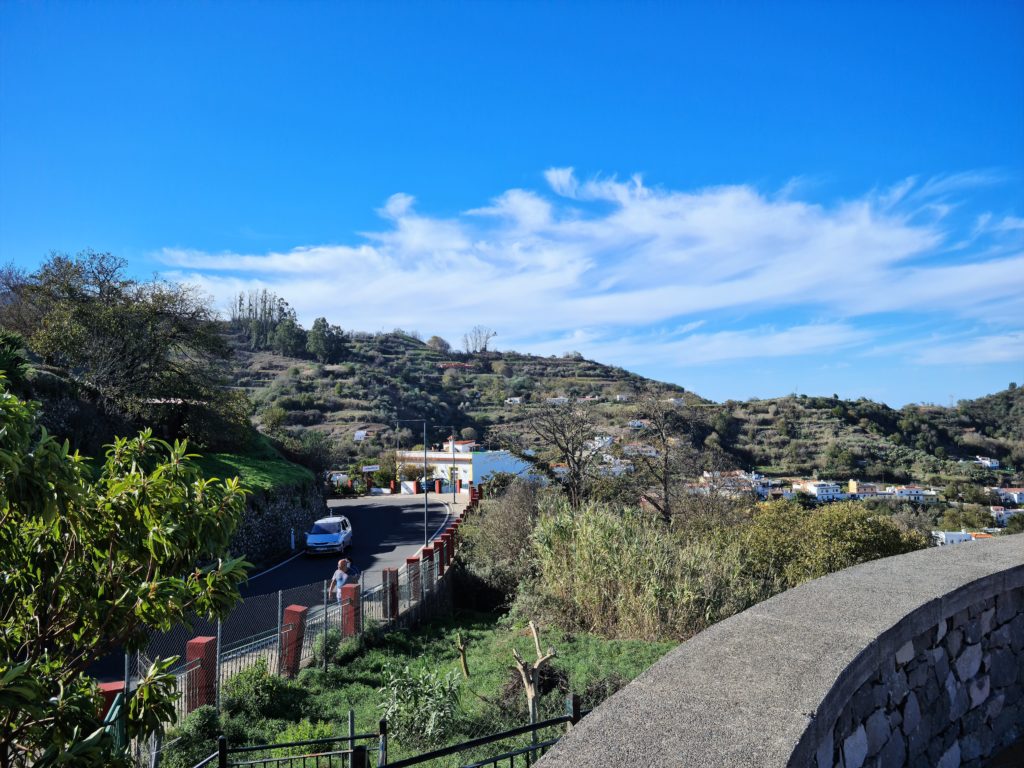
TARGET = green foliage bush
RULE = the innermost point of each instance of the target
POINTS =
(623, 573)
(194, 739)
(329, 645)
(255, 694)
(304, 730)
(420, 706)
(496, 542)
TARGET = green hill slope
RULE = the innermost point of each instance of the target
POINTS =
(390, 376)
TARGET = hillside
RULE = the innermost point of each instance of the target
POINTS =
(390, 376)
(864, 439)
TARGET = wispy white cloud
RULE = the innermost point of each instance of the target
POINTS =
(988, 348)
(627, 272)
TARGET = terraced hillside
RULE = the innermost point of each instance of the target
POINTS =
(860, 438)
(390, 376)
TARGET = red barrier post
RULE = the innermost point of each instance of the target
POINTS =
(292, 633)
(439, 548)
(109, 692)
(350, 617)
(201, 685)
(449, 546)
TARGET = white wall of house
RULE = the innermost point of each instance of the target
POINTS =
(487, 463)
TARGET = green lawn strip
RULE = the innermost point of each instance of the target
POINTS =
(265, 472)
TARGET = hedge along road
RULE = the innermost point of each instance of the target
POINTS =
(385, 531)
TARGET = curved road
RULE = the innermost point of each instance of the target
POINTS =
(385, 531)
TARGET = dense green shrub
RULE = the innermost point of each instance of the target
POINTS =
(194, 739)
(420, 706)
(254, 693)
(623, 573)
(329, 644)
(496, 542)
(787, 545)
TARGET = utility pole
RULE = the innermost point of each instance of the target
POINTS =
(426, 492)
(426, 489)
(451, 474)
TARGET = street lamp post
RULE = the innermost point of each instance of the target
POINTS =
(426, 492)
(451, 475)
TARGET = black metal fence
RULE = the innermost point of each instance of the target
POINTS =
(521, 746)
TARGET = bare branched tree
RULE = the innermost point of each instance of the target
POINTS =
(530, 671)
(568, 454)
(477, 339)
(667, 457)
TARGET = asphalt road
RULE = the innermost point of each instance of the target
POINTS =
(385, 531)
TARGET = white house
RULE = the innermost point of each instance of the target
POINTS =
(465, 464)
(513, 401)
(621, 398)
(1009, 495)
(734, 482)
(821, 490)
(640, 449)
(951, 537)
(986, 462)
(1002, 515)
(912, 493)
(560, 400)
(613, 467)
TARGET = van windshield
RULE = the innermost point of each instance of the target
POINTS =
(326, 528)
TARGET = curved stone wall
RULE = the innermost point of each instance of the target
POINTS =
(911, 660)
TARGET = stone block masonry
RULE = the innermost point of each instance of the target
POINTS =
(952, 695)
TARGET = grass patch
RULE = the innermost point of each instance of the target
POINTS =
(491, 700)
(261, 469)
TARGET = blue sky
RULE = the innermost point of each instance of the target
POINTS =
(748, 199)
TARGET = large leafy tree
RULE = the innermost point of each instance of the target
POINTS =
(90, 562)
(131, 340)
(325, 342)
(148, 349)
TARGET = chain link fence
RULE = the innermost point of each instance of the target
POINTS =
(286, 630)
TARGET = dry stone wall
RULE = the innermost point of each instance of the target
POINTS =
(951, 696)
(265, 531)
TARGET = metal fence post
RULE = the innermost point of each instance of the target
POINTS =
(382, 743)
(360, 759)
(325, 626)
(572, 709)
(222, 752)
(217, 678)
(280, 618)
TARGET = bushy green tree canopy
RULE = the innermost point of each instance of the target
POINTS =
(90, 564)
(325, 342)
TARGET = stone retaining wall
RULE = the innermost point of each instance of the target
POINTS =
(951, 696)
(913, 660)
(264, 533)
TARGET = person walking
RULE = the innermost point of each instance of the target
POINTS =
(340, 577)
